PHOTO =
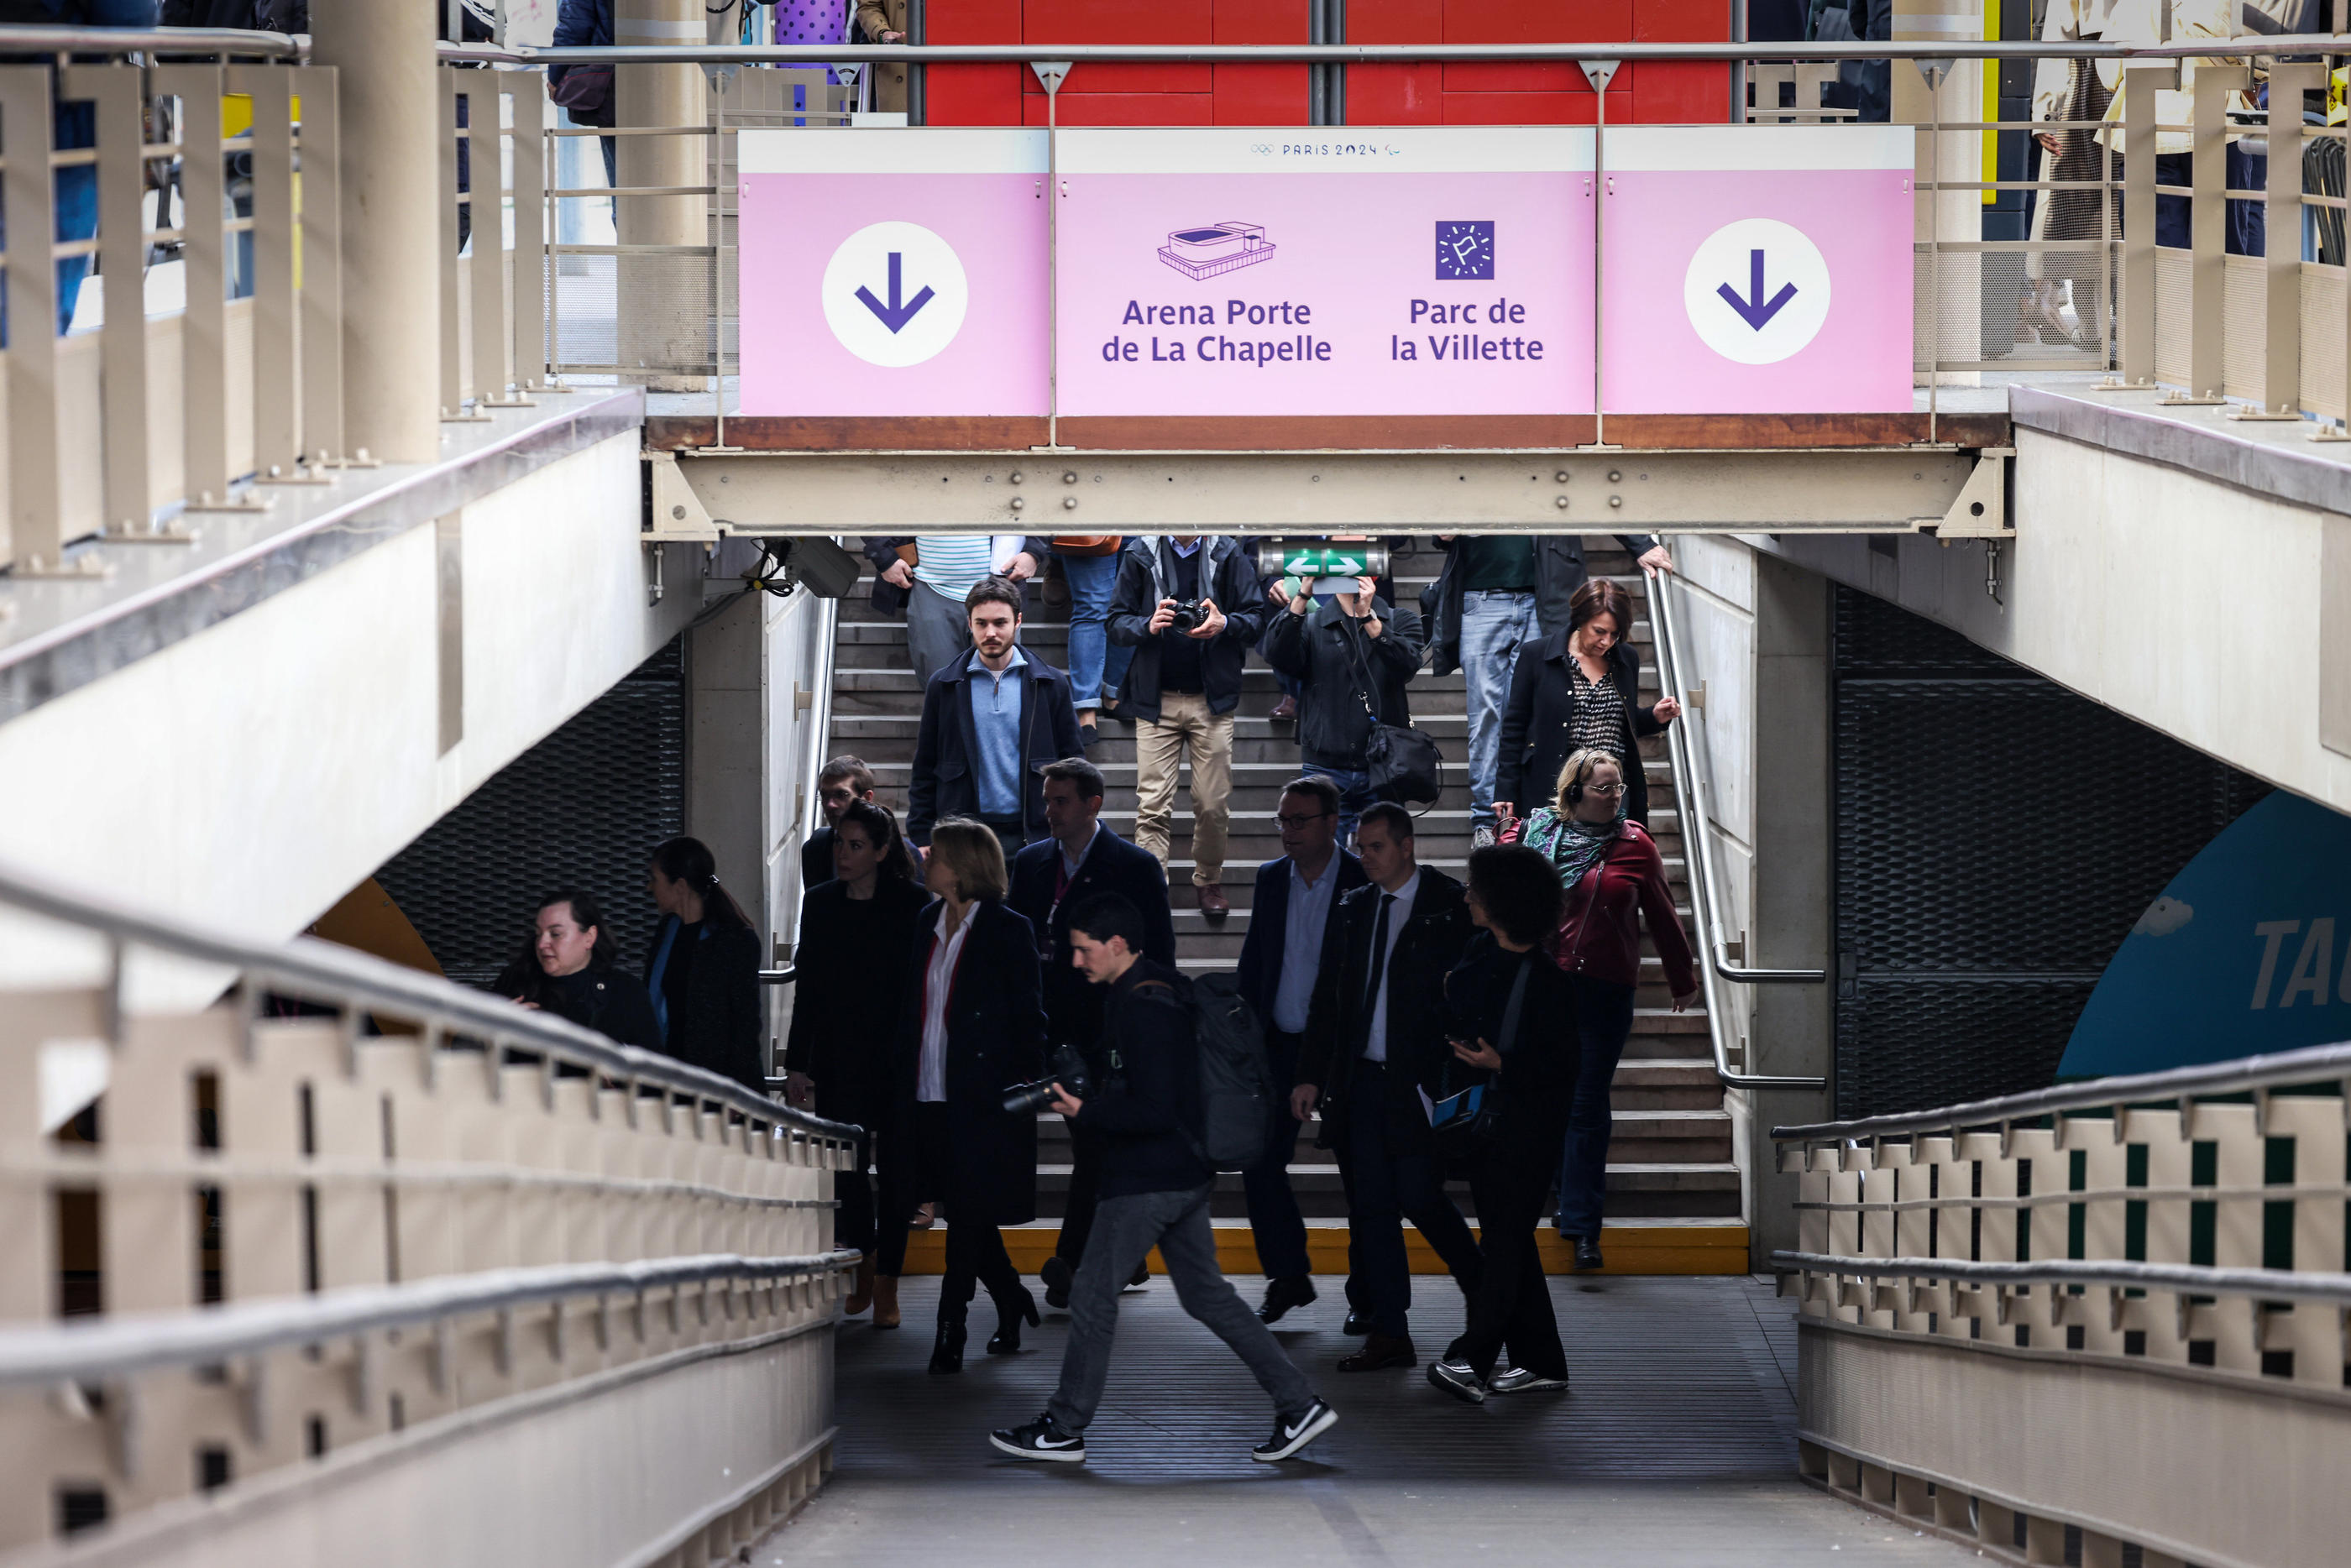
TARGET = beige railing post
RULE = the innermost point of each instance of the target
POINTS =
(321, 278)
(391, 290)
(277, 365)
(527, 91)
(2281, 272)
(2209, 226)
(486, 137)
(450, 325)
(662, 320)
(113, 92)
(35, 531)
(204, 467)
(2136, 351)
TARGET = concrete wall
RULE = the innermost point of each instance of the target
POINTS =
(2191, 605)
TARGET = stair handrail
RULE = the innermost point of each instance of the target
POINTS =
(1706, 896)
(355, 981)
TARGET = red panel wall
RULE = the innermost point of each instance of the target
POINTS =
(1496, 93)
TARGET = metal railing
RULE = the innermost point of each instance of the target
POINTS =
(2162, 1238)
(1707, 900)
(408, 1211)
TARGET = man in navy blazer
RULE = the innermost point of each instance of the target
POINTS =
(1051, 879)
(1279, 959)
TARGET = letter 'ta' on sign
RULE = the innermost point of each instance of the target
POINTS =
(1757, 291)
(895, 294)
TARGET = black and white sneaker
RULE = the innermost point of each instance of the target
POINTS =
(1458, 1378)
(1290, 1437)
(1057, 1276)
(1518, 1380)
(1041, 1438)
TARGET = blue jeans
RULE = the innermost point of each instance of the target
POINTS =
(1354, 794)
(1097, 669)
(1494, 626)
(1603, 1021)
(2246, 232)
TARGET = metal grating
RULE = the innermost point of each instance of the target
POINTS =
(1996, 836)
(582, 808)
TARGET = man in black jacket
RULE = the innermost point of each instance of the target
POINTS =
(1184, 686)
(1280, 959)
(1051, 878)
(1330, 652)
(1496, 596)
(844, 781)
(1155, 1188)
(1375, 1042)
(989, 722)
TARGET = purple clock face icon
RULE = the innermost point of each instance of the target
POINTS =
(1465, 250)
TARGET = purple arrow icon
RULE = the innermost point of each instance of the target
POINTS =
(895, 315)
(1753, 310)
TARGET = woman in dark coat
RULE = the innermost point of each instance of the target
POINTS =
(1511, 1016)
(703, 971)
(1581, 689)
(857, 936)
(570, 966)
(971, 1026)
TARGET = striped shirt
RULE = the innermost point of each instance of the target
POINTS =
(951, 564)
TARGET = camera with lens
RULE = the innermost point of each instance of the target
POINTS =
(1069, 1071)
(1187, 616)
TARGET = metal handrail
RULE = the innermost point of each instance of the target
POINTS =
(323, 971)
(1622, 51)
(1706, 896)
(2189, 1277)
(2276, 1069)
(95, 1349)
(152, 40)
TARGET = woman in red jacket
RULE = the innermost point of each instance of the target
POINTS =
(1614, 877)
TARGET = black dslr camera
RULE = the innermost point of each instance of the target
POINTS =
(1187, 616)
(1069, 1071)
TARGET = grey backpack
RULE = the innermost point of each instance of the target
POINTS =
(1236, 1088)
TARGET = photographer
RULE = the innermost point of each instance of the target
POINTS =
(1155, 1188)
(1351, 658)
(1189, 606)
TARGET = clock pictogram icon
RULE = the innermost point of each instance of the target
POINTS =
(1465, 250)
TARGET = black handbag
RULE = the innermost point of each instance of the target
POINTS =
(1466, 1122)
(1403, 762)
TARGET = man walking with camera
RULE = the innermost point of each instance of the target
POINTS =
(1155, 1193)
(1189, 606)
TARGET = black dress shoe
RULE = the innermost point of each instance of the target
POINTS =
(1010, 1316)
(1587, 1254)
(1283, 1293)
(1055, 1276)
(1379, 1352)
(1356, 1324)
(947, 1353)
(1142, 1276)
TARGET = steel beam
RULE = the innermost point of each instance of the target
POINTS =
(1807, 491)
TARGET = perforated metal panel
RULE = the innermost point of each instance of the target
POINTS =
(1996, 836)
(582, 809)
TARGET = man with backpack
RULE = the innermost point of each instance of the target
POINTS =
(1164, 1116)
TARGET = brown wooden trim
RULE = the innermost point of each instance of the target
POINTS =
(1309, 433)
(791, 432)
(1768, 432)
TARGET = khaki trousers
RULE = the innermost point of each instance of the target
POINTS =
(1185, 726)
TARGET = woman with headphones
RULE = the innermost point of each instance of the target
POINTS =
(1614, 878)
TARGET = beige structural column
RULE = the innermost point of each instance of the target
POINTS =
(664, 302)
(389, 122)
(1950, 285)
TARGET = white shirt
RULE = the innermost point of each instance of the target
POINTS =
(1376, 1043)
(1072, 863)
(1301, 945)
(938, 983)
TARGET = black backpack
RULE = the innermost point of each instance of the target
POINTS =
(1235, 1087)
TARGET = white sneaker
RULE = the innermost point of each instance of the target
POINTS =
(1290, 1437)
(1481, 837)
(1518, 1380)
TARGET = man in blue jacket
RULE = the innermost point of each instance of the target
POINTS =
(1280, 959)
(990, 721)
(1051, 879)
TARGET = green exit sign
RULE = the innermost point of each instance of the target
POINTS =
(1326, 561)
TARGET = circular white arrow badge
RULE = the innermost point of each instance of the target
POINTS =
(1757, 291)
(895, 294)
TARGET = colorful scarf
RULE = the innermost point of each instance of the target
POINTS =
(1573, 848)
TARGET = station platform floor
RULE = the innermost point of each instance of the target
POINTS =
(1675, 1446)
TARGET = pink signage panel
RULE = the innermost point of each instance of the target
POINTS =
(1219, 272)
(1757, 270)
(893, 272)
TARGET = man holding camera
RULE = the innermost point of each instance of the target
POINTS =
(1188, 604)
(1155, 1193)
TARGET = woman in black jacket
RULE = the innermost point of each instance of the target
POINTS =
(1580, 687)
(1512, 1018)
(857, 932)
(971, 1026)
(1351, 658)
(703, 971)
(570, 966)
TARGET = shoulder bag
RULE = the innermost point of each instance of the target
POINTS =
(1468, 1120)
(1403, 762)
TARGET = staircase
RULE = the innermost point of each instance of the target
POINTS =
(1673, 1187)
